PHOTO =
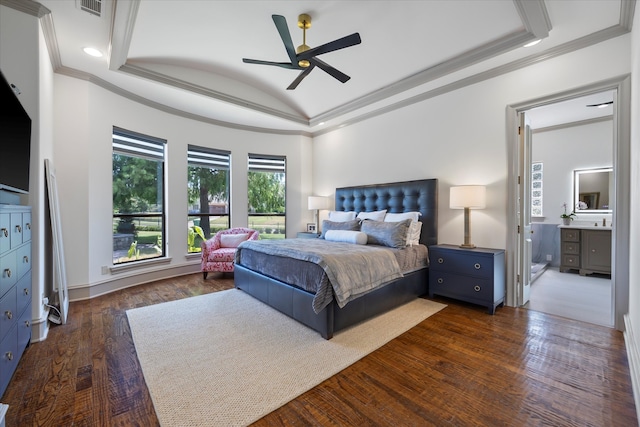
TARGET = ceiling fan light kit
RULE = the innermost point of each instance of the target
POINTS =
(304, 57)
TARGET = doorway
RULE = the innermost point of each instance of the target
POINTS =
(520, 263)
(569, 136)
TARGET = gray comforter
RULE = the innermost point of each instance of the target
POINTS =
(352, 270)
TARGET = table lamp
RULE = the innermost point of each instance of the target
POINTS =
(316, 203)
(468, 197)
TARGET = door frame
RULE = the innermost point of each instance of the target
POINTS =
(622, 182)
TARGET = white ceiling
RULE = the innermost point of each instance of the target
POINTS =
(187, 55)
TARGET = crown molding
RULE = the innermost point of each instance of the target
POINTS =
(81, 75)
(581, 43)
(210, 93)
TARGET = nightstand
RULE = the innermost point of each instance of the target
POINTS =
(473, 275)
(307, 235)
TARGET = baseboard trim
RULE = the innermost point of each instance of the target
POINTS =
(633, 354)
(79, 293)
(39, 329)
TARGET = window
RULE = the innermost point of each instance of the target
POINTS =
(267, 190)
(536, 189)
(138, 196)
(208, 184)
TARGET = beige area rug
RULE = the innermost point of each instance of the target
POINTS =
(226, 359)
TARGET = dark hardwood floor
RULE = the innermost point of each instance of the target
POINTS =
(459, 367)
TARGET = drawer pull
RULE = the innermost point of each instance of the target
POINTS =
(593, 250)
(9, 355)
(476, 288)
(28, 226)
(7, 271)
(25, 259)
(477, 266)
(26, 291)
(440, 260)
(5, 232)
(27, 323)
(19, 228)
(9, 314)
(440, 280)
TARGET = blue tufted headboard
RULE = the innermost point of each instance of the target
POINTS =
(396, 197)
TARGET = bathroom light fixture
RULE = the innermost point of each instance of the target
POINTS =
(467, 197)
(92, 51)
(533, 43)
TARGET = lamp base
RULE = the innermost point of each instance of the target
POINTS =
(468, 246)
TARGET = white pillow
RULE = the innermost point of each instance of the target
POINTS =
(375, 215)
(232, 240)
(397, 217)
(346, 236)
(340, 216)
(413, 236)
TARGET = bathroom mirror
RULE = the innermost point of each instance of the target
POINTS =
(592, 190)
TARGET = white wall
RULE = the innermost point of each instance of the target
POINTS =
(24, 62)
(564, 150)
(632, 320)
(84, 117)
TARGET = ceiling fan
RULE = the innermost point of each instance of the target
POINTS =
(305, 58)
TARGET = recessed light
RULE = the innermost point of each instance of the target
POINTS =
(321, 124)
(533, 43)
(92, 51)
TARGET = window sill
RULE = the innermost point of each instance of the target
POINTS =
(138, 264)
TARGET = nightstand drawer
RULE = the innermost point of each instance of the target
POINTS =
(460, 263)
(453, 285)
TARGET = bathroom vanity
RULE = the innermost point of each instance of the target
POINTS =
(585, 248)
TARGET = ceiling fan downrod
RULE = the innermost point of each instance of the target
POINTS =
(304, 22)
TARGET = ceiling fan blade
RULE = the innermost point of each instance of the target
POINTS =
(330, 70)
(338, 44)
(294, 84)
(285, 35)
(277, 64)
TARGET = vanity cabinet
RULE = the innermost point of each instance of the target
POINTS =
(15, 288)
(587, 250)
(596, 252)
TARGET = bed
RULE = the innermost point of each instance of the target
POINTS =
(298, 303)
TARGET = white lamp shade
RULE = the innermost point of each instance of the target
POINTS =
(318, 202)
(468, 196)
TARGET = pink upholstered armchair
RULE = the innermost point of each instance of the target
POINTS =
(218, 253)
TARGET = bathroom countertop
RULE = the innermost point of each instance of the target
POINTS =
(587, 226)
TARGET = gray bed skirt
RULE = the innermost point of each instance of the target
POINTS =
(297, 303)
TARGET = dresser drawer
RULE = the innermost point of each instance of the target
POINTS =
(23, 260)
(453, 285)
(23, 292)
(461, 263)
(24, 330)
(8, 313)
(5, 239)
(8, 357)
(8, 272)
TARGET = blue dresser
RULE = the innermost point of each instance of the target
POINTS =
(473, 275)
(15, 288)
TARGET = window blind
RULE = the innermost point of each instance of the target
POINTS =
(208, 157)
(130, 143)
(266, 163)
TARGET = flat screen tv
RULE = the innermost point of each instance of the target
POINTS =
(15, 141)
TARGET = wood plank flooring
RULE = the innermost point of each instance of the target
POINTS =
(459, 367)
